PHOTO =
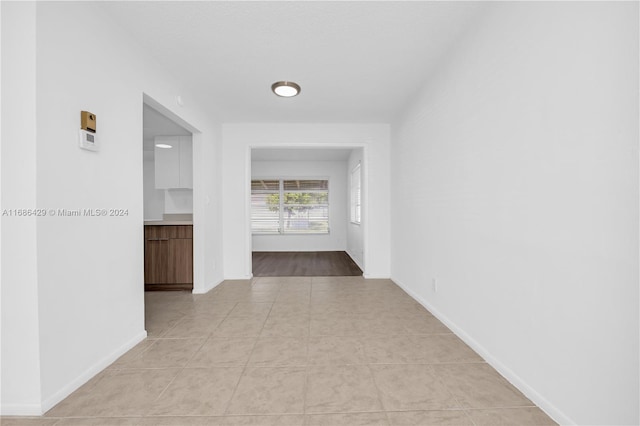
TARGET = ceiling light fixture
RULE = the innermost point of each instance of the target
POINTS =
(163, 145)
(285, 89)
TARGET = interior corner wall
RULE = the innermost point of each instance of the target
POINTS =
(336, 172)
(355, 234)
(519, 162)
(73, 301)
(20, 366)
(237, 140)
(207, 209)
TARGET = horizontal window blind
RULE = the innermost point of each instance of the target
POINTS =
(297, 206)
(265, 206)
(356, 195)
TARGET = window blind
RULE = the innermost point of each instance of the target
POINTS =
(265, 206)
(290, 206)
(356, 195)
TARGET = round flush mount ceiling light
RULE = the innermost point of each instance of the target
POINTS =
(164, 145)
(285, 89)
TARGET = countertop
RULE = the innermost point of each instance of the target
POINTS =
(167, 222)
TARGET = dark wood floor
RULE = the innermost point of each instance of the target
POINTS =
(304, 264)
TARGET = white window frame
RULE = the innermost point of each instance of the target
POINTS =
(355, 214)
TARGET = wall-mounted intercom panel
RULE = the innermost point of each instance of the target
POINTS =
(88, 135)
(89, 140)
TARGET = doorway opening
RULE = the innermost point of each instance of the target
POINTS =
(168, 203)
(301, 211)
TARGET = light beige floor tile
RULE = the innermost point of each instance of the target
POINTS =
(281, 309)
(229, 294)
(162, 353)
(296, 285)
(429, 418)
(303, 297)
(239, 327)
(341, 388)
(330, 350)
(265, 286)
(347, 419)
(378, 325)
(99, 421)
(260, 297)
(279, 351)
(133, 354)
(275, 420)
(444, 348)
(532, 416)
(267, 280)
(223, 352)
(411, 387)
(26, 421)
(321, 309)
(253, 310)
(234, 284)
(269, 391)
(359, 347)
(295, 280)
(479, 386)
(208, 307)
(286, 326)
(423, 323)
(393, 350)
(332, 326)
(198, 392)
(120, 393)
(157, 324)
(198, 326)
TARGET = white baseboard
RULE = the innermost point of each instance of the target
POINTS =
(237, 278)
(551, 410)
(207, 289)
(21, 410)
(355, 259)
(83, 378)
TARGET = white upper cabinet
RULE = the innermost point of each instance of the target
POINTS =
(174, 166)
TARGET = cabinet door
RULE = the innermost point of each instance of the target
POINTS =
(186, 162)
(181, 260)
(156, 261)
(167, 162)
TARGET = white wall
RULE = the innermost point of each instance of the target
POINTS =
(153, 198)
(20, 371)
(237, 140)
(178, 201)
(336, 172)
(89, 269)
(355, 234)
(516, 168)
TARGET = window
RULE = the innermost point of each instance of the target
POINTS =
(356, 195)
(289, 206)
(265, 206)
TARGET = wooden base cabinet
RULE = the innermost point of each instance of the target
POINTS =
(168, 257)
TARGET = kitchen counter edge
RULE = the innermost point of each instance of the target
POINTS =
(167, 222)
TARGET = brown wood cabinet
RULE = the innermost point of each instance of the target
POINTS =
(168, 257)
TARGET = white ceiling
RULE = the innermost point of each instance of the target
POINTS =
(356, 61)
(300, 154)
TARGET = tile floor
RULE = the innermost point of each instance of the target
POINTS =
(294, 351)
